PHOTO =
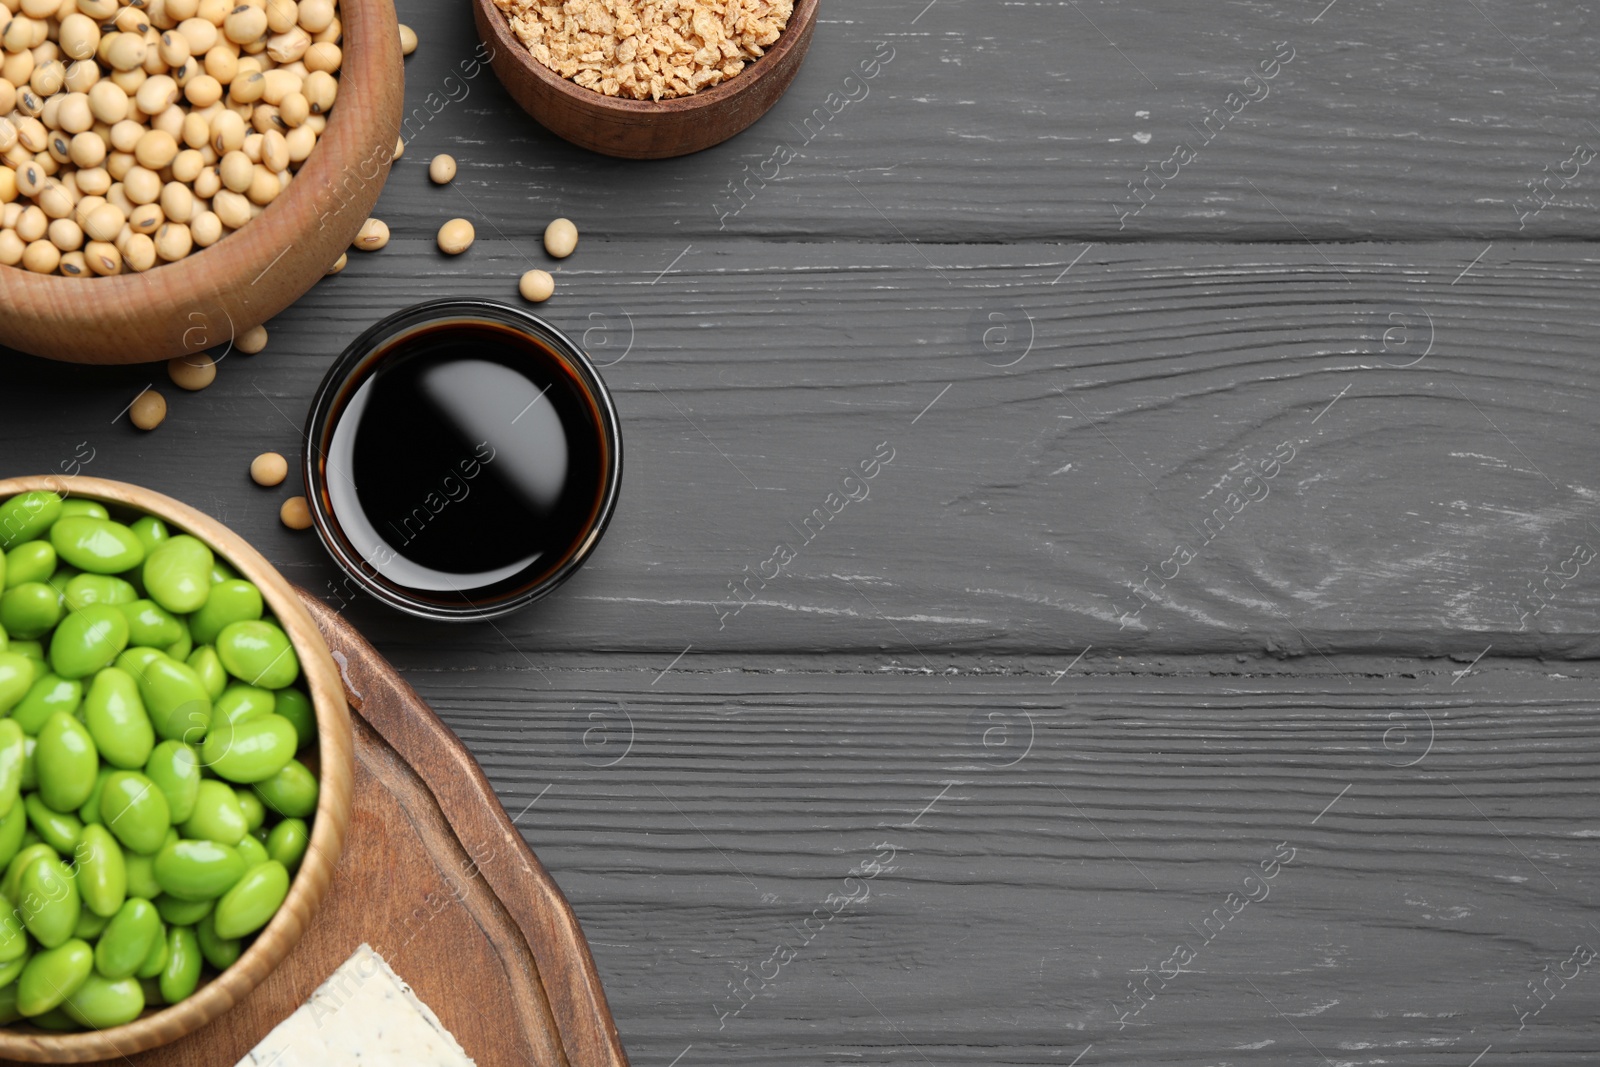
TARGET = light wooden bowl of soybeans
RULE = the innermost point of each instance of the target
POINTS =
(209, 297)
(335, 773)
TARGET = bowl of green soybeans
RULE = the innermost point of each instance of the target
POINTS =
(175, 769)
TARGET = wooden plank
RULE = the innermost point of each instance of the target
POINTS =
(698, 791)
(996, 122)
(1053, 844)
(1431, 419)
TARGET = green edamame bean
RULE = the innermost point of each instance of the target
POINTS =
(60, 831)
(127, 939)
(16, 678)
(156, 959)
(53, 975)
(49, 902)
(115, 717)
(98, 546)
(33, 561)
(30, 775)
(249, 752)
(288, 841)
(251, 850)
(296, 707)
(255, 813)
(142, 876)
(30, 610)
(179, 650)
(56, 1020)
(216, 816)
(89, 812)
(182, 972)
(13, 828)
(61, 579)
(198, 870)
(9, 972)
(258, 653)
(136, 660)
(220, 952)
(13, 935)
(183, 912)
(13, 750)
(175, 699)
(208, 668)
(66, 762)
(98, 589)
(77, 505)
(26, 516)
(32, 649)
(135, 811)
(292, 791)
(90, 926)
(88, 639)
(102, 1003)
(241, 703)
(10, 887)
(102, 871)
(177, 574)
(222, 571)
(150, 531)
(151, 624)
(50, 693)
(175, 769)
(230, 601)
(252, 901)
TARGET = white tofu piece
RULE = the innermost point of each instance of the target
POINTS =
(363, 1014)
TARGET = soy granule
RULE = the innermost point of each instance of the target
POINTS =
(647, 49)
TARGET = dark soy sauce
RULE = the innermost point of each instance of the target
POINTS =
(467, 461)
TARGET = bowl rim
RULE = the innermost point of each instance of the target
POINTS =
(805, 12)
(335, 751)
(342, 138)
(353, 361)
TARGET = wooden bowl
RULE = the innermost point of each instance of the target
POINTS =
(335, 754)
(645, 129)
(208, 298)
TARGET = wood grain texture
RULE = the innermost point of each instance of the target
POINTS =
(536, 949)
(1440, 425)
(1051, 842)
(644, 129)
(698, 792)
(183, 308)
(986, 121)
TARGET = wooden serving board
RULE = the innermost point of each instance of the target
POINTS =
(435, 877)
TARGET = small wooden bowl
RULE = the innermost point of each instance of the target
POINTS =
(645, 129)
(209, 298)
(336, 772)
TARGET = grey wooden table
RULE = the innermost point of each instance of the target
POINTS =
(1206, 675)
